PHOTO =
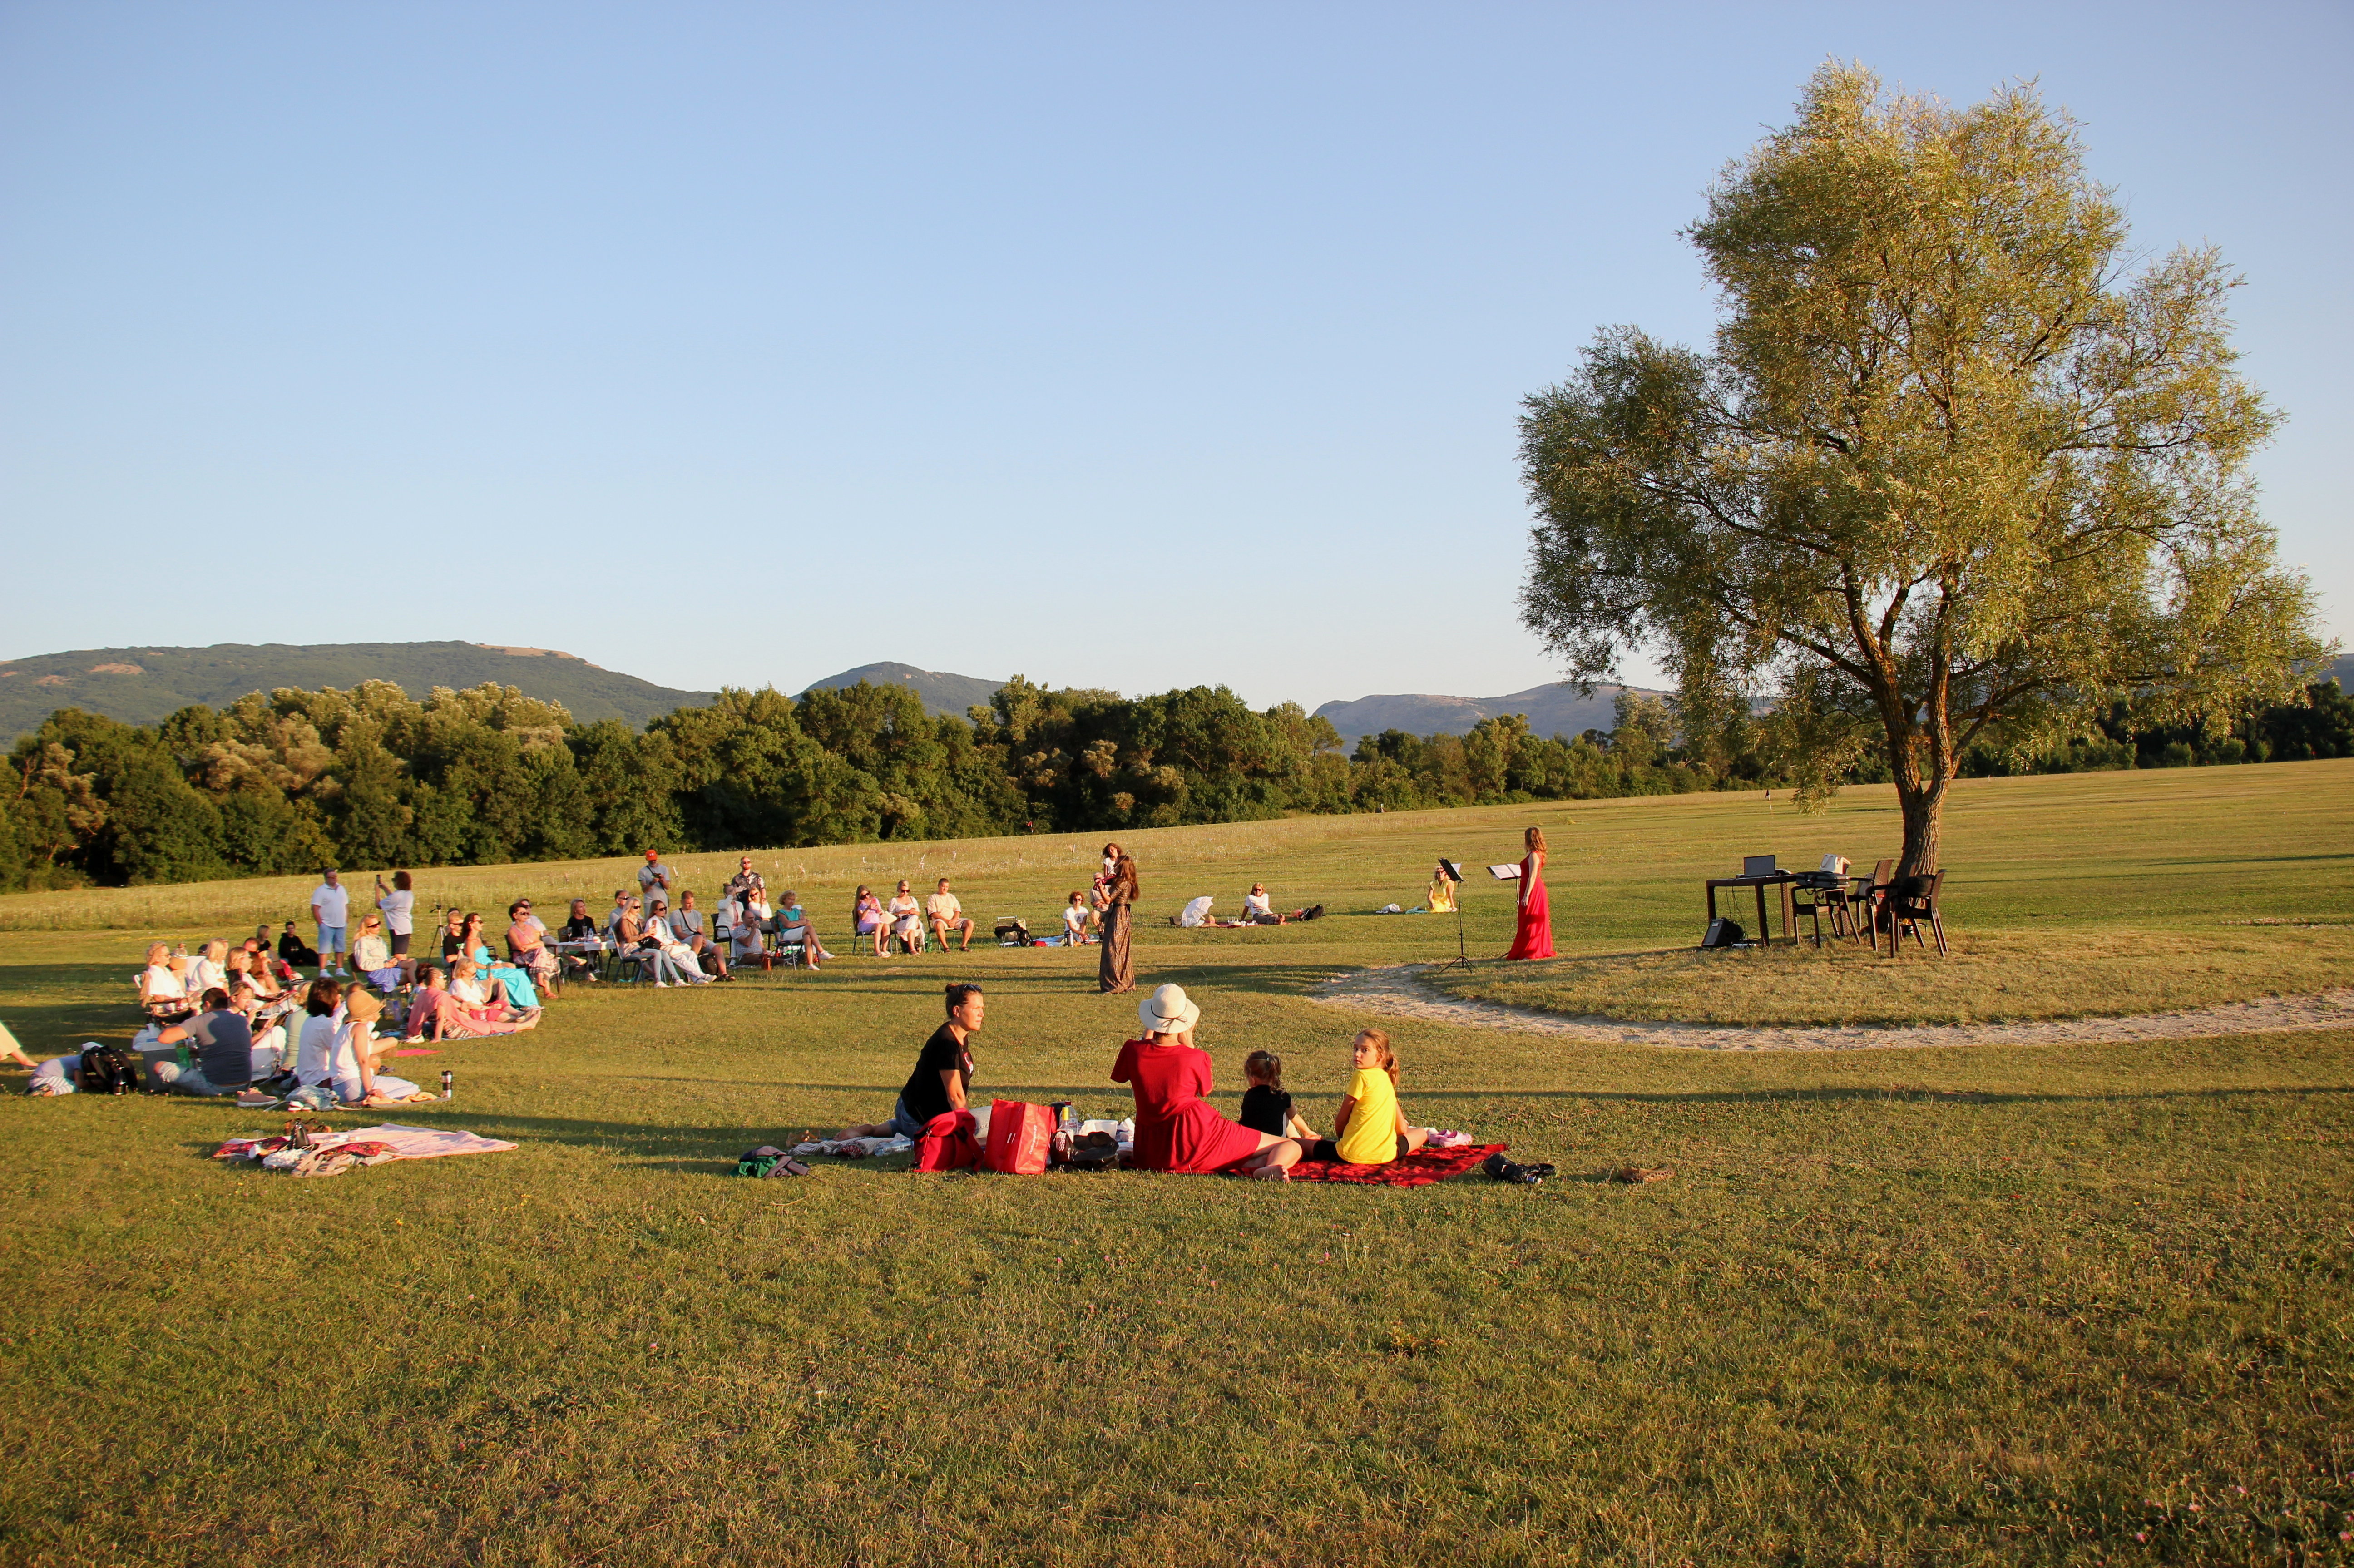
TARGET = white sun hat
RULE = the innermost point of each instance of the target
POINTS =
(1166, 1010)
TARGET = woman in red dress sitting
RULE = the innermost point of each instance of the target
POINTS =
(1176, 1129)
(1533, 938)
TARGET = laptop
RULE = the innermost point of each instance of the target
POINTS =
(1758, 866)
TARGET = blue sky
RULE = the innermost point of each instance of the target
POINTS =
(1114, 346)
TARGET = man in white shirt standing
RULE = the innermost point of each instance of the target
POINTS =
(948, 914)
(654, 882)
(399, 903)
(330, 907)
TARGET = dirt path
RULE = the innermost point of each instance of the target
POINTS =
(1400, 993)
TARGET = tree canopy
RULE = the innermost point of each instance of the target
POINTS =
(1956, 477)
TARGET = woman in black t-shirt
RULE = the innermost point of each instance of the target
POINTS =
(942, 1076)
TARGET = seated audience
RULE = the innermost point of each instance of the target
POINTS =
(372, 956)
(1176, 1127)
(163, 992)
(579, 930)
(223, 1047)
(512, 979)
(1266, 1108)
(527, 947)
(867, 919)
(453, 936)
(947, 915)
(793, 926)
(943, 1074)
(687, 923)
(745, 944)
(745, 882)
(208, 971)
(671, 956)
(436, 1013)
(339, 1048)
(292, 951)
(906, 919)
(1369, 1128)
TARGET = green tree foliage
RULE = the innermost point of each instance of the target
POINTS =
(1952, 477)
(367, 778)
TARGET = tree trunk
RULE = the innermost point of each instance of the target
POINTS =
(1923, 802)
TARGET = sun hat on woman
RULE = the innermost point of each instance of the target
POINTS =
(1168, 1011)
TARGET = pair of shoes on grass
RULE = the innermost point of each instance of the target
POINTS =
(1515, 1173)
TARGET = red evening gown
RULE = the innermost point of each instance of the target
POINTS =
(1533, 939)
(1176, 1129)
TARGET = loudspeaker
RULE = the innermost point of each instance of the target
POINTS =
(1722, 933)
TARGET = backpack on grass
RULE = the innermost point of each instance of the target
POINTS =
(108, 1070)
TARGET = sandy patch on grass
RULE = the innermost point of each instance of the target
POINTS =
(1399, 992)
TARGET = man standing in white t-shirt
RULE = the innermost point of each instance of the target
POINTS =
(330, 906)
(948, 914)
(654, 882)
(398, 904)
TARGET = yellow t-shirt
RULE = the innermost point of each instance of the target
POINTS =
(1370, 1138)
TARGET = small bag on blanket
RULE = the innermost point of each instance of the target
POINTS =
(948, 1142)
(1019, 1137)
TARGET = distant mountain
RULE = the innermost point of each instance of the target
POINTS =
(140, 685)
(942, 692)
(1551, 710)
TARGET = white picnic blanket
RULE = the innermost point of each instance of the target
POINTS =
(867, 1148)
(417, 1142)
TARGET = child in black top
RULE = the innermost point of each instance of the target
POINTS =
(1266, 1108)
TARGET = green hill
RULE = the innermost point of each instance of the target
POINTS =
(140, 685)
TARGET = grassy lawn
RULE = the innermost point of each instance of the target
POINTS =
(2064, 1304)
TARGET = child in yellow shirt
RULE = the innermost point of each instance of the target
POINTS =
(1369, 1128)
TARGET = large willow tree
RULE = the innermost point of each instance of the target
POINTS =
(1955, 474)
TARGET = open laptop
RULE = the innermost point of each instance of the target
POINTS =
(1758, 866)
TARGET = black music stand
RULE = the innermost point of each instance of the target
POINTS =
(1452, 871)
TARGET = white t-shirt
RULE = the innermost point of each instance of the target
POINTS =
(397, 906)
(903, 911)
(315, 1053)
(1074, 919)
(333, 904)
(1258, 903)
(1196, 912)
(944, 906)
(160, 984)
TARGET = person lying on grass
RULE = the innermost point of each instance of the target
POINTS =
(943, 1075)
(1369, 1128)
(1176, 1129)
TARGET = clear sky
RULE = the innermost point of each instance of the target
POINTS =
(1110, 345)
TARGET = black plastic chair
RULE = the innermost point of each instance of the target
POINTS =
(1911, 902)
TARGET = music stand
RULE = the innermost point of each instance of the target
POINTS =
(1452, 871)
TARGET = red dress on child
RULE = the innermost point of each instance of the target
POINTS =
(1533, 938)
(1176, 1129)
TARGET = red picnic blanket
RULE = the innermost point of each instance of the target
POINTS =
(1419, 1169)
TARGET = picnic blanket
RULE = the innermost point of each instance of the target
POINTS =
(366, 1145)
(1419, 1169)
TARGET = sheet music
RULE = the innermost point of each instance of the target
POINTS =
(1505, 872)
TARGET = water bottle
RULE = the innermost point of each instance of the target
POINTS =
(448, 1082)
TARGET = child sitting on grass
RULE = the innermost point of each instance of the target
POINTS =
(1266, 1107)
(1369, 1128)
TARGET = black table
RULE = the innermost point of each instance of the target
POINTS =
(1781, 879)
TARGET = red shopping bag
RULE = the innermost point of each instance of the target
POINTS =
(1019, 1137)
(948, 1143)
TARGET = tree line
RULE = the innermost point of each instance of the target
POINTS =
(293, 780)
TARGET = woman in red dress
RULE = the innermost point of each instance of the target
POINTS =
(1176, 1129)
(1533, 938)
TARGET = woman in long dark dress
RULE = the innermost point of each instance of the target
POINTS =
(1115, 967)
(1532, 932)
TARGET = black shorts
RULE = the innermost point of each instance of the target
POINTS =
(400, 944)
(1325, 1148)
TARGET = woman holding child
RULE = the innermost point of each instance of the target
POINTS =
(1176, 1129)
(1114, 965)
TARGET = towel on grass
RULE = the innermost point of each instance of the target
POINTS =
(852, 1148)
(1419, 1169)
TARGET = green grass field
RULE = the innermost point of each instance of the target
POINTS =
(2056, 1305)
